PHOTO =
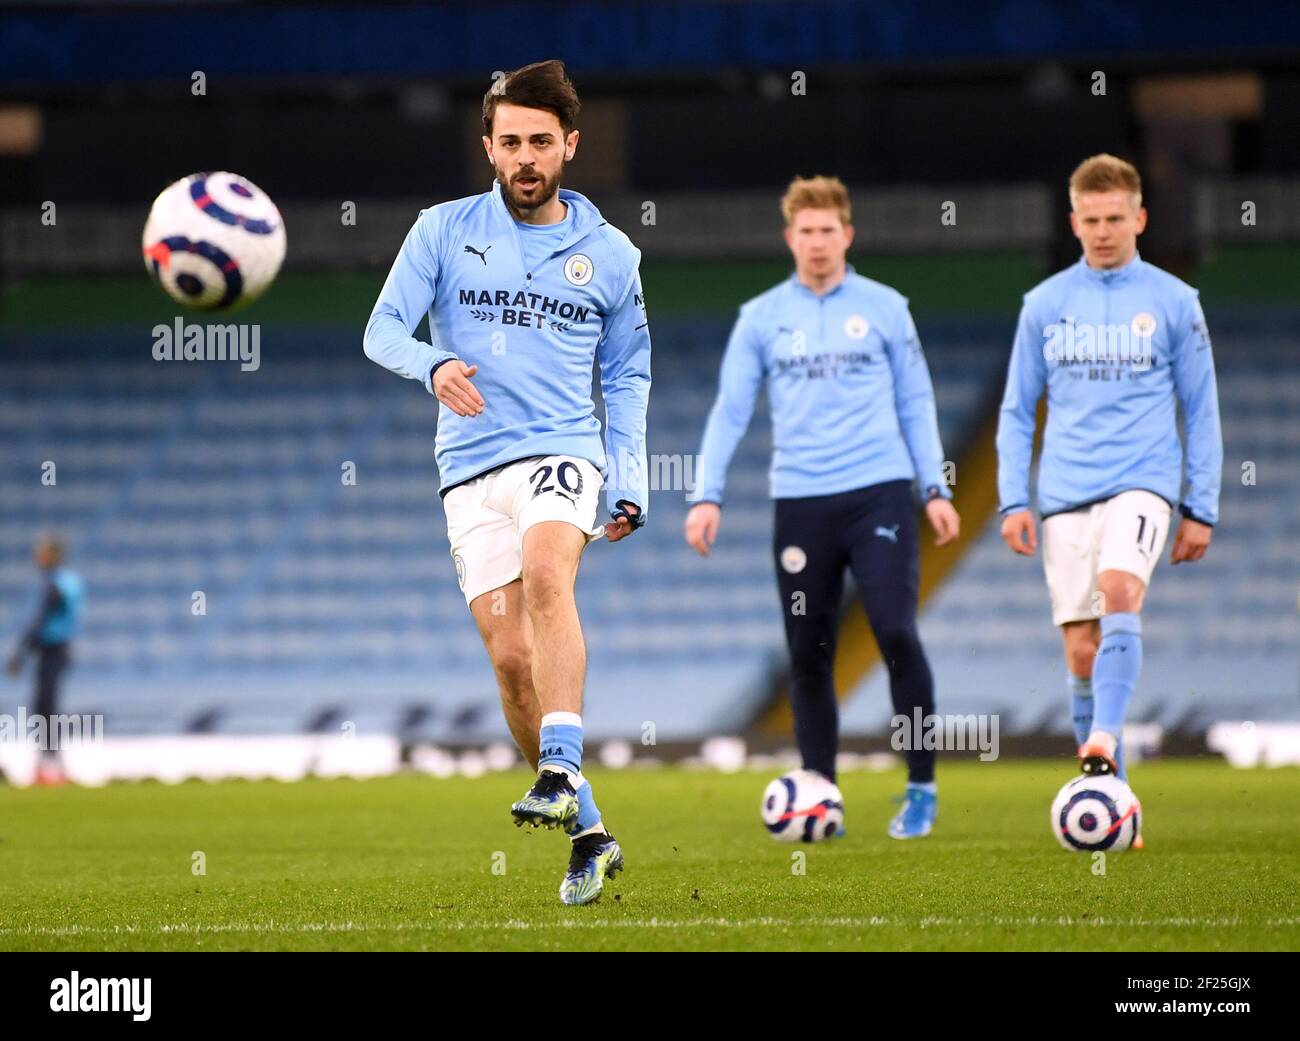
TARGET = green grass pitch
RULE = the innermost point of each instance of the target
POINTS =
(413, 862)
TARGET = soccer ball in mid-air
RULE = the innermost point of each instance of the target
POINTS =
(1096, 813)
(803, 806)
(213, 241)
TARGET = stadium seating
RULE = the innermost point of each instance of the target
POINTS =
(240, 582)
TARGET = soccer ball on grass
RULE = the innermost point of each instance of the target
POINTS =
(802, 806)
(1096, 813)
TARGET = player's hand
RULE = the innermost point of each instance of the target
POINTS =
(452, 386)
(1191, 542)
(944, 519)
(14, 666)
(1019, 533)
(621, 528)
(702, 526)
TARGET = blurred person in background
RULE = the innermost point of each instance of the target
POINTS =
(1117, 344)
(854, 425)
(49, 639)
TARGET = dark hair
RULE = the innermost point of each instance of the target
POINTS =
(543, 84)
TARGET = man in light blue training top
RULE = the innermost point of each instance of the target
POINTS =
(1117, 344)
(854, 426)
(524, 286)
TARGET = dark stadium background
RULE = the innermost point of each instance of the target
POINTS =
(332, 609)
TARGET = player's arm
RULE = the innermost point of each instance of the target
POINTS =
(919, 421)
(1026, 378)
(741, 378)
(1198, 394)
(406, 297)
(51, 603)
(624, 357)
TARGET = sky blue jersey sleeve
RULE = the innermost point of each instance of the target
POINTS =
(624, 357)
(406, 297)
(914, 402)
(1026, 378)
(741, 379)
(1194, 381)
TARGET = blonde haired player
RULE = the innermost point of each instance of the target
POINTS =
(1118, 345)
(854, 428)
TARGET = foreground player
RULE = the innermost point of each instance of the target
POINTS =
(524, 285)
(1116, 343)
(853, 425)
(49, 638)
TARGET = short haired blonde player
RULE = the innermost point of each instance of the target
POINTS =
(854, 428)
(1118, 345)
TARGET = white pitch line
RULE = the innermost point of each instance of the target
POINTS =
(520, 925)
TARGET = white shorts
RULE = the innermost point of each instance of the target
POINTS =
(487, 517)
(1124, 533)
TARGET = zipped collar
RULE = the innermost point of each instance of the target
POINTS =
(1114, 276)
(586, 218)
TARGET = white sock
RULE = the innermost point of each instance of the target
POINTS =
(1105, 740)
(574, 779)
(569, 719)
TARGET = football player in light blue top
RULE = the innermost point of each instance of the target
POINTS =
(1117, 345)
(525, 286)
(854, 435)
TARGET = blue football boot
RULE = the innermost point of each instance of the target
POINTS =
(916, 817)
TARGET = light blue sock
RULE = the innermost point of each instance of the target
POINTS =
(588, 811)
(1080, 706)
(561, 741)
(925, 786)
(1081, 711)
(1115, 672)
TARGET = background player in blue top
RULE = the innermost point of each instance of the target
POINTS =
(524, 286)
(1117, 344)
(49, 638)
(853, 427)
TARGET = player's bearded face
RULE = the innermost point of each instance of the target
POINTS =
(528, 150)
(528, 187)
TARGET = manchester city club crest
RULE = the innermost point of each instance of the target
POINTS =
(793, 559)
(578, 269)
(1143, 324)
(460, 569)
(856, 327)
